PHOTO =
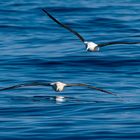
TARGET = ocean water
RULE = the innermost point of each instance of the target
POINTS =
(34, 48)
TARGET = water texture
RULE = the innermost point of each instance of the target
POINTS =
(34, 48)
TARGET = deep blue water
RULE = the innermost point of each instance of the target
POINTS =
(33, 47)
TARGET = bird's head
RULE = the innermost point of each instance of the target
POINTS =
(58, 86)
(92, 47)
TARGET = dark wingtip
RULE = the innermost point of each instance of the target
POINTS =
(44, 10)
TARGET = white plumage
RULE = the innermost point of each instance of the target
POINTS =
(91, 46)
(58, 86)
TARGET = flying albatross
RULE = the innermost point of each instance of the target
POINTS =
(57, 86)
(90, 46)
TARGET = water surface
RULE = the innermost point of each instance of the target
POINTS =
(33, 47)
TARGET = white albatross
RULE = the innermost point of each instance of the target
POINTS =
(57, 86)
(90, 46)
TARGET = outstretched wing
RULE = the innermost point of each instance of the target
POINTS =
(96, 88)
(91, 87)
(115, 43)
(26, 85)
(65, 26)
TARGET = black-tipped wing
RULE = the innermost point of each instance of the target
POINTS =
(91, 87)
(65, 26)
(26, 85)
(115, 43)
(96, 88)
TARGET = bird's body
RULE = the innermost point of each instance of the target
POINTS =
(91, 46)
(58, 86)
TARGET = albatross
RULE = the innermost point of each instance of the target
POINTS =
(57, 86)
(90, 46)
